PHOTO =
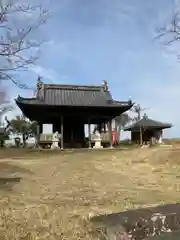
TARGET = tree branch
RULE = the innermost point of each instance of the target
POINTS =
(17, 49)
(171, 32)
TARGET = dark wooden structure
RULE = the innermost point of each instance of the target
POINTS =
(70, 107)
(149, 128)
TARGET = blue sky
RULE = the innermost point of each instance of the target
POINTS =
(86, 41)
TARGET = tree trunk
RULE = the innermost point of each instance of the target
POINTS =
(24, 140)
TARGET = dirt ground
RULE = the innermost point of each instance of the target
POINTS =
(51, 195)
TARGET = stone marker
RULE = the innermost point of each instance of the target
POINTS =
(97, 140)
(55, 141)
(139, 224)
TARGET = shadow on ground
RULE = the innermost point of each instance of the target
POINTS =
(161, 222)
(24, 153)
(11, 174)
(8, 182)
(9, 168)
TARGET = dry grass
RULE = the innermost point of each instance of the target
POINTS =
(47, 195)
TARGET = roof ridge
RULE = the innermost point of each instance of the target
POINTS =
(71, 86)
(151, 119)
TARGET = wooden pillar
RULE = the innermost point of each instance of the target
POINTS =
(99, 128)
(62, 132)
(141, 136)
(110, 132)
(37, 135)
(89, 133)
(104, 126)
(72, 136)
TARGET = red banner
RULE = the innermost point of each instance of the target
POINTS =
(114, 136)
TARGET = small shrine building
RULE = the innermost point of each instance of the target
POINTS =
(150, 129)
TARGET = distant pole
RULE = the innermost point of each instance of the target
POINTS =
(141, 137)
(140, 130)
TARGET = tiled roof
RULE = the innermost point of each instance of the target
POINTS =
(147, 123)
(74, 95)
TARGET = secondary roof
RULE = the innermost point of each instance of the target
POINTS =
(147, 123)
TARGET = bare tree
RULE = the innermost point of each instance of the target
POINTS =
(170, 33)
(138, 110)
(121, 121)
(18, 48)
(5, 106)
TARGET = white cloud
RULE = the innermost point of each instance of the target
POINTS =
(45, 72)
(177, 4)
(48, 73)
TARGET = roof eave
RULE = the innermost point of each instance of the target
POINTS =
(27, 101)
(148, 127)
